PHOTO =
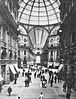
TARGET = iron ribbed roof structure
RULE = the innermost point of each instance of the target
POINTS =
(39, 12)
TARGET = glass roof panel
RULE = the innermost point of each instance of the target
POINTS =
(22, 4)
(36, 11)
(38, 37)
(42, 14)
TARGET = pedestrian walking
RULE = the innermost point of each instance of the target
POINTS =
(26, 81)
(64, 87)
(9, 90)
(23, 74)
(41, 95)
(15, 80)
(68, 94)
(51, 81)
(35, 75)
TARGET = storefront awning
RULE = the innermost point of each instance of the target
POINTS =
(1, 78)
(12, 69)
(16, 67)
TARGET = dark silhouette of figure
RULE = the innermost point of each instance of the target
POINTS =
(35, 75)
(26, 81)
(51, 81)
(68, 94)
(15, 80)
(9, 90)
(23, 74)
(0, 88)
(18, 97)
(64, 87)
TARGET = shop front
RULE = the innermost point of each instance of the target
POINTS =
(12, 72)
(3, 72)
(1, 79)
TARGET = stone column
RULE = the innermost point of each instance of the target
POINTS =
(7, 41)
(7, 77)
(1, 32)
(53, 55)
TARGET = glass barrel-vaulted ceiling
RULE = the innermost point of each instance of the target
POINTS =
(38, 37)
(39, 12)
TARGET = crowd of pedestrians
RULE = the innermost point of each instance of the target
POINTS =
(53, 78)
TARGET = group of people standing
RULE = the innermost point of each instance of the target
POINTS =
(67, 86)
(53, 77)
(27, 76)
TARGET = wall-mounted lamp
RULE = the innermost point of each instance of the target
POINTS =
(60, 30)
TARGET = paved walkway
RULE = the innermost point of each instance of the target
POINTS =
(34, 89)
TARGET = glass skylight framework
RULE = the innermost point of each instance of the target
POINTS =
(39, 12)
(38, 37)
